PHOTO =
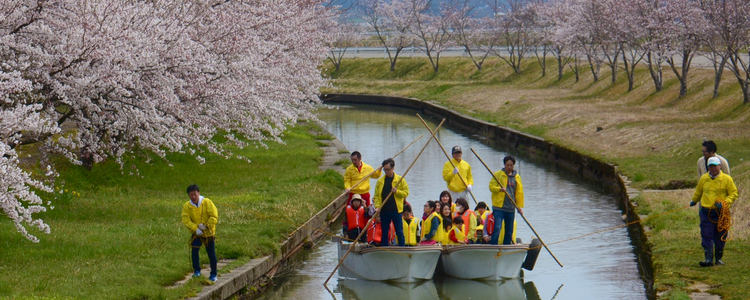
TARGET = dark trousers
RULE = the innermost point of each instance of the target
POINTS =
(710, 234)
(353, 233)
(210, 250)
(386, 217)
(503, 216)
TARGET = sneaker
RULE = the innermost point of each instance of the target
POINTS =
(706, 263)
(719, 262)
(212, 278)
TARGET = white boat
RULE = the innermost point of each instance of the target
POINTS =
(511, 289)
(481, 262)
(389, 263)
(377, 290)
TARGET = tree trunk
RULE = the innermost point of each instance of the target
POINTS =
(718, 71)
(655, 71)
(560, 67)
(594, 71)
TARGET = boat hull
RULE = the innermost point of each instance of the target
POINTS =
(479, 262)
(390, 263)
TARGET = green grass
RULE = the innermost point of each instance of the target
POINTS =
(123, 239)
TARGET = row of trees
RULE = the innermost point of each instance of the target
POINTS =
(578, 33)
(125, 77)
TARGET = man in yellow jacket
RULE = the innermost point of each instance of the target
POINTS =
(391, 209)
(713, 188)
(200, 216)
(503, 209)
(357, 171)
(457, 187)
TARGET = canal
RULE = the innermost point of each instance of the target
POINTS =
(558, 205)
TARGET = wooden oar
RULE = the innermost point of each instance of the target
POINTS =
(377, 211)
(450, 160)
(358, 182)
(513, 200)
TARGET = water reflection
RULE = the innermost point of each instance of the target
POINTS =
(444, 288)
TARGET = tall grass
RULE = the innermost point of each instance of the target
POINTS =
(122, 237)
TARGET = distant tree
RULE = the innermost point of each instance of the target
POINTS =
(470, 32)
(390, 20)
(681, 28)
(340, 37)
(433, 30)
(513, 24)
(148, 77)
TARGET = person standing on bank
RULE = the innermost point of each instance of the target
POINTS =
(200, 216)
(709, 150)
(356, 172)
(714, 191)
(503, 209)
(456, 186)
(391, 209)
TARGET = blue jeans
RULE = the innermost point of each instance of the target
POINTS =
(386, 217)
(710, 234)
(503, 216)
(196, 244)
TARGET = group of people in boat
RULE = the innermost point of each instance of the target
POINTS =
(448, 220)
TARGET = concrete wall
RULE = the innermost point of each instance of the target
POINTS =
(587, 168)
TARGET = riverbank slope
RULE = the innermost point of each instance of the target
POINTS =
(654, 138)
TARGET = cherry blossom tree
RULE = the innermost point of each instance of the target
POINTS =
(149, 76)
(391, 21)
(433, 30)
(513, 23)
(340, 37)
(470, 32)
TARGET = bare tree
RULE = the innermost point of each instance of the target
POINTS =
(433, 30)
(470, 33)
(340, 37)
(391, 23)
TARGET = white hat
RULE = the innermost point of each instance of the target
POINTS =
(714, 161)
(356, 197)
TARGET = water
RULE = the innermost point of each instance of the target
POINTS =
(600, 266)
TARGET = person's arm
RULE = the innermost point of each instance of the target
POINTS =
(213, 215)
(700, 166)
(519, 192)
(724, 165)
(377, 173)
(732, 192)
(472, 226)
(469, 177)
(186, 218)
(403, 189)
(699, 189)
(496, 187)
(448, 172)
(434, 224)
(377, 198)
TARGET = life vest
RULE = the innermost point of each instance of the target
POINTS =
(483, 217)
(466, 216)
(355, 218)
(427, 227)
(375, 234)
(490, 225)
(410, 232)
(456, 236)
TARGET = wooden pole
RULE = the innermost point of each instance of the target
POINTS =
(449, 160)
(361, 181)
(513, 200)
(377, 211)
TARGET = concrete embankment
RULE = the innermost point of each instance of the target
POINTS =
(589, 169)
(260, 270)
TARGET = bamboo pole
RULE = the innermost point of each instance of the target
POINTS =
(361, 180)
(377, 211)
(449, 160)
(513, 200)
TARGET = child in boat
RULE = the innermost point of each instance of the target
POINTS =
(446, 229)
(469, 224)
(411, 227)
(481, 212)
(431, 224)
(374, 233)
(355, 219)
(456, 234)
(489, 227)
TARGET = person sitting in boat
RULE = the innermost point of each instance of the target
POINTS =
(446, 229)
(489, 228)
(481, 212)
(456, 234)
(431, 225)
(355, 219)
(411, 227)
(446, 199)
(375, 233)
(445, 212)
(469, 223)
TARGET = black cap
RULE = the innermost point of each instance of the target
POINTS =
(456, 149)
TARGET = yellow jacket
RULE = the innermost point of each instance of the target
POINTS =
(401, 193)
(354, 175)
(427, 227)
(458, 233)
(454, 182)
(710, 190)
(410, 231)
(498, 197)
(206, 214)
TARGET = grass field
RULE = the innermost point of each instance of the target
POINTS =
(122, 237)
(654, 138)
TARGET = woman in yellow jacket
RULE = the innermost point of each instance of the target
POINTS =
(431, 226)
(504, 194)
(200, 216)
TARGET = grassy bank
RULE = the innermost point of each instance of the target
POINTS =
(122, 237)
(654, 138)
